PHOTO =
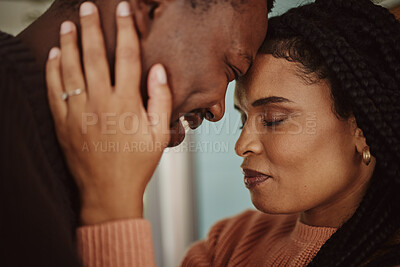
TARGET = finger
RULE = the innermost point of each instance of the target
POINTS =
(159, 106)
(127, 65)
(71, 66)
(94, 53)
(58, 106)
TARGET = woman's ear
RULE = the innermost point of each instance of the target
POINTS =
(358, 135)
(145, 12)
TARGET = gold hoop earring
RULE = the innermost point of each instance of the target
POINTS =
(366, 155)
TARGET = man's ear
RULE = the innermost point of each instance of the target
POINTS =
(358, 135)
(145, 12)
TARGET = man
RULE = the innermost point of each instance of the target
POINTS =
(203, 45)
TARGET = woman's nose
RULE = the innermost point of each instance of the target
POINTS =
(216, 112)
(248, 143)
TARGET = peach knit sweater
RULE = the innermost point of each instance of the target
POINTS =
(248, 239)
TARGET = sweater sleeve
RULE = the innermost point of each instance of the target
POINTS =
(125, 243)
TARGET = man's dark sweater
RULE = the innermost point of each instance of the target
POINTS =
(38, 199)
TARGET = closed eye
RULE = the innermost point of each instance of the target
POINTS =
(243, 118)
(236, 72)
(273, 123)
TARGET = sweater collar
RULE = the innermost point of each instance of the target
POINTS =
(306, 233)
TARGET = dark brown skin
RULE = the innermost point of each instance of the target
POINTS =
(200, 49)
(114, 189)
(316, 168)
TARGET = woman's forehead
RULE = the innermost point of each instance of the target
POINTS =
(279, 78)
(268, 76)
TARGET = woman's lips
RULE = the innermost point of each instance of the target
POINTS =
(253, 178)
(250, 182)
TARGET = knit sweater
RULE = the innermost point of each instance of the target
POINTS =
(251, 238)
(38, 216)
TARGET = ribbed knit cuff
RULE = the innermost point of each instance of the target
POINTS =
(125, 243)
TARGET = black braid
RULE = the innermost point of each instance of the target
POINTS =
(355, 45)
(387, 259)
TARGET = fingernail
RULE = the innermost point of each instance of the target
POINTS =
(161, 75)
(54, 52)
(124, 9)
(87, 8)
(66, 27)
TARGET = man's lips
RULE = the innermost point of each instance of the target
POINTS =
(253, 178)
(194, 120)
(177, 134)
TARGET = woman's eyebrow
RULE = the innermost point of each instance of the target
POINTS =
(271, 99)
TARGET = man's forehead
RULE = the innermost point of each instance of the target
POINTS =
(241, 7)
(248, 34)
(243, 48)
(242, 51)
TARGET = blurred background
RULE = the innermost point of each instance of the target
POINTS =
(197, 183)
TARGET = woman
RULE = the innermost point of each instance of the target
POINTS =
(320, 144)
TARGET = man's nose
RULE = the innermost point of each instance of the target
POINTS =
(216, 112)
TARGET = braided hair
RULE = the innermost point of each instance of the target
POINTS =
(355, 46)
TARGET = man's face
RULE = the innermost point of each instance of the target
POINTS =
(203, 50)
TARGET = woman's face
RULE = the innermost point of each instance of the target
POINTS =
(310, 159)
